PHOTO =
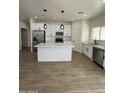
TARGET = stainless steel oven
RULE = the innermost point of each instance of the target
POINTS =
(59, 37)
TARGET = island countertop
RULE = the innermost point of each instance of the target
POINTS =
(54, 52)
(68, 44)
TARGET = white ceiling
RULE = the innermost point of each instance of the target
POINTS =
(31, 8)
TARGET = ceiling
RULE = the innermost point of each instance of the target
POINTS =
(31, 8)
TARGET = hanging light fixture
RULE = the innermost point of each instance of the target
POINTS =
(45, 25)
(62, 25)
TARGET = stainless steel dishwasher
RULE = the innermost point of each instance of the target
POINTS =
(98, 56)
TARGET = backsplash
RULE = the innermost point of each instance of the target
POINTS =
(100, 42)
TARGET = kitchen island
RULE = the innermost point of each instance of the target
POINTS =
(54, 52)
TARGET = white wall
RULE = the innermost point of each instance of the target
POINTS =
(77, 35)
(80, 33)
(22, 24)
(97, 21)
(85, 30)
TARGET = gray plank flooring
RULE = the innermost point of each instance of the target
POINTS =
(79, 76)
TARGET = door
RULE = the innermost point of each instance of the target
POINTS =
(24, 37)
(76, 35)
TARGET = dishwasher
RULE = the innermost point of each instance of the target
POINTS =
(98, 56)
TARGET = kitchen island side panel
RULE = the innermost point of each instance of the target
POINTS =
(54, 54)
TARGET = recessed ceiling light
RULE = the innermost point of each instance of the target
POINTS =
(35, 17)
(85, 15)
(54, 17)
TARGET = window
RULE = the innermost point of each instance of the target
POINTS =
(98, 33)
(95, 33)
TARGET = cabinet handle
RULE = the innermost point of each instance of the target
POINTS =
(87, 49)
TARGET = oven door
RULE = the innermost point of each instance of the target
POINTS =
(59, 40)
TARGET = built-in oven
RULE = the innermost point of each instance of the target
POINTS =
(59, 37)
(59, 40)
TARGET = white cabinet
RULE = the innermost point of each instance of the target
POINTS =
(37, 26)
(56, 28)
(87, 50)
(67, 30)
(51, 30)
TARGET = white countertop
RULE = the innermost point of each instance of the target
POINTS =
(97, 46)
(67, 44)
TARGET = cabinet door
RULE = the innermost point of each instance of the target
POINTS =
(37, 26)
(56, 28)
(67, 30)
(89, 51)
(84, 49)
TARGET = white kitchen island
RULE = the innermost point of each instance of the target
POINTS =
(54, 52)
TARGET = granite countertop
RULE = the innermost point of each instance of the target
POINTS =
(96, 46)
(67, 44)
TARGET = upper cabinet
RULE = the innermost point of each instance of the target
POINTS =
(37, 26)
(52, 28)
(67, 30)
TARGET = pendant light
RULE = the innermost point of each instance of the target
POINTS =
(45, 25)
(62, 25)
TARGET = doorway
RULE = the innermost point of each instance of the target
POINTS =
(24, 38)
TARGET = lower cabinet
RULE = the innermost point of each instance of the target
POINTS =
(87, 50)
(95, 54)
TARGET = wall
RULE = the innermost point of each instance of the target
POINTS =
(100, 42)
(77, 35)
(98, 20)
(85, 30)
(80, 30)
(22, 24)
(95, 22)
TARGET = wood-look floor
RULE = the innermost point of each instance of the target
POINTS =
(79, 76)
